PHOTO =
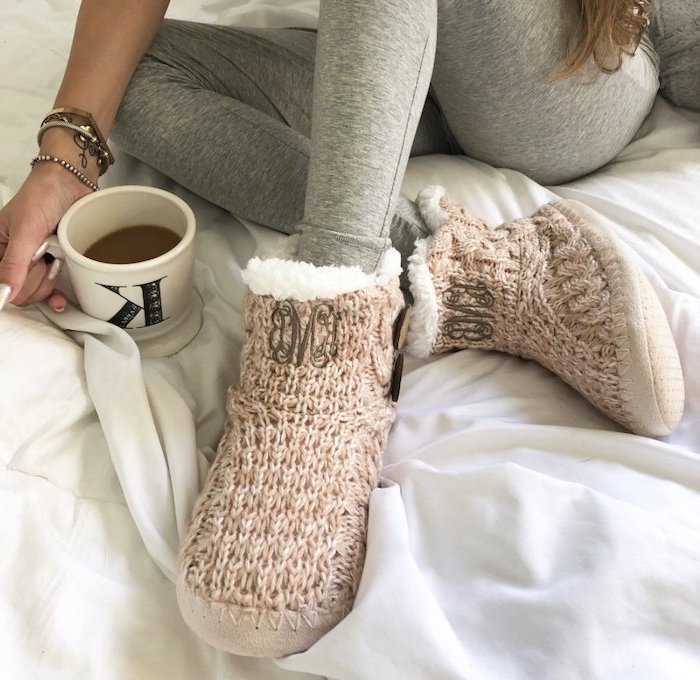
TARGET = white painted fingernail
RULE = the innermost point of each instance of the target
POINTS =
(5, 291)
(54, 269)
(39, 252)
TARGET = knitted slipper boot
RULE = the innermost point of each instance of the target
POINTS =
(275, 550)
(558, 288)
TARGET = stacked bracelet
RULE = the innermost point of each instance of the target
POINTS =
(85, 140)
(65, 164)
(88, 136)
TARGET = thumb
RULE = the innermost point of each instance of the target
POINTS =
(14, 266)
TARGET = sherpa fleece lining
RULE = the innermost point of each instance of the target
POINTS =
(428, 202)
(302, 281)
(423, 327)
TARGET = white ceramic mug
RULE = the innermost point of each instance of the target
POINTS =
(155, 300)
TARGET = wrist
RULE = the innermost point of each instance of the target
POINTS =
(87, 134)
(59, 142)
(53, 176)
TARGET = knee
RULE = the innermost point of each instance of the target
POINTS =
(130, 111)
(167, 42)
(156, 65)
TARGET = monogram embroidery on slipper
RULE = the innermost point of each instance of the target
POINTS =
(472, 322)
(290, 341)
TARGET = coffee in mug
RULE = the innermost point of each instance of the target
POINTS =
(131, 244)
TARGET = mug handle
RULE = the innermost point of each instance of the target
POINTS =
(54, 248)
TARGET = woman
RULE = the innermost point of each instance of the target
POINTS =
(275, 550)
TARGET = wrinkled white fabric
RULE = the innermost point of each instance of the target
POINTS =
(149, 429)
(518, 533)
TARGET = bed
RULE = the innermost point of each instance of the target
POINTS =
(517, 532)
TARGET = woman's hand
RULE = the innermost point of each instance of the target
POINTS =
(25, 222)
(110, 38)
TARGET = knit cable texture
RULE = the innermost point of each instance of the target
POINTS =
(537, 288)
(279, 531)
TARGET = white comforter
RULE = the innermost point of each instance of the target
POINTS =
(517, 534)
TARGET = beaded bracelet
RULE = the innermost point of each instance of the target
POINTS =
(65, 164)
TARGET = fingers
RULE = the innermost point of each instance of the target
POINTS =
(5, 292)
(32, 281)
(15, 264)
(5, 289)
(39, 284)
(57, 301)
(39, 252)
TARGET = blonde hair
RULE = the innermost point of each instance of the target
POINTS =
(606, 30)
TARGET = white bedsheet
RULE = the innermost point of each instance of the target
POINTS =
(517, 534)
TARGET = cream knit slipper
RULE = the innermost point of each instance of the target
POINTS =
(559, 288)
(275, 550)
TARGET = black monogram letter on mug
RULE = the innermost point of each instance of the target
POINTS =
(152, 305)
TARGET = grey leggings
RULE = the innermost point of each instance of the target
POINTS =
(227, 111)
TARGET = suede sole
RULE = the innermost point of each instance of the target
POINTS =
(651, 380)
(249, 632)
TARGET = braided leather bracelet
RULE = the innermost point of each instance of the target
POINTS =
(65, 164)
